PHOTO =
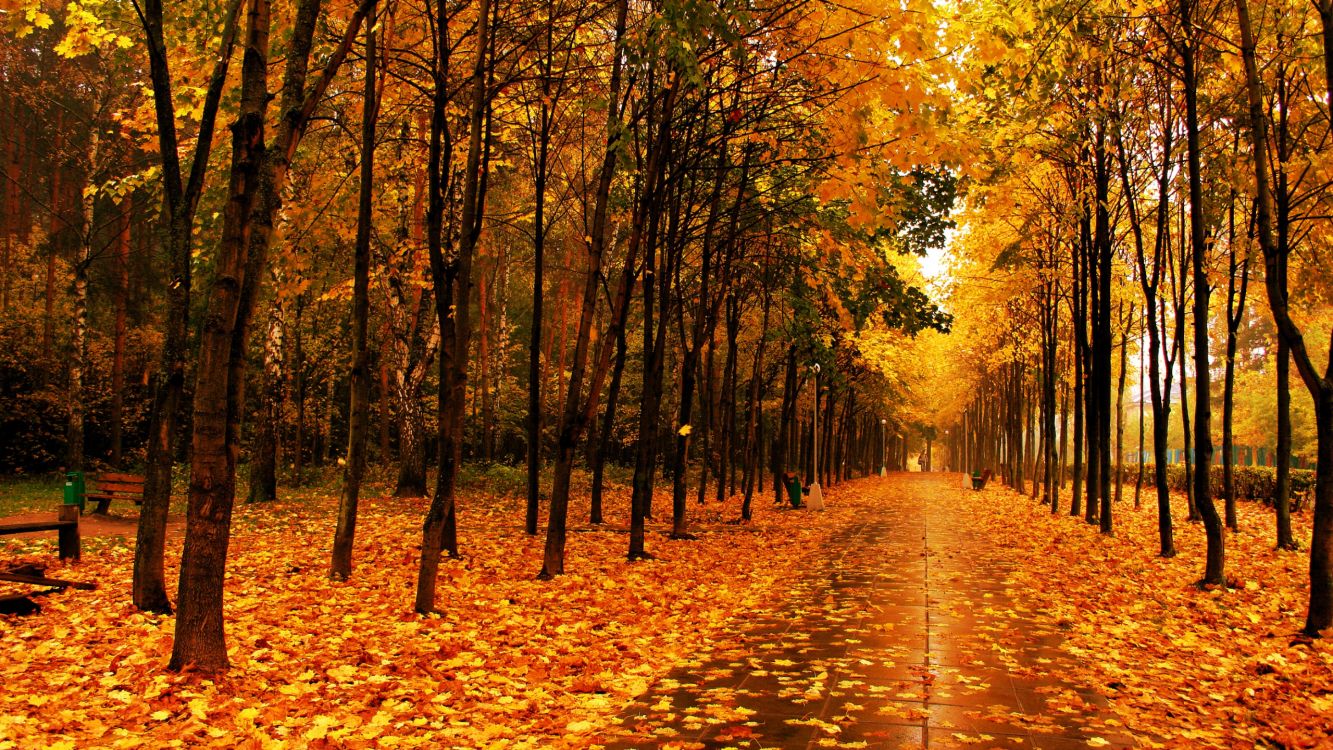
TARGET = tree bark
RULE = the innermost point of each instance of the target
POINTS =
(1320, 614)
(540, 171)
(603, 443)
(257, 176)
(122, 288)
(264, 452)
(786, 420)
(752, 415)
(575, 416)
(358, 423)
(1215, 568)
(200, 639)
(453, 282)
(1235, 315)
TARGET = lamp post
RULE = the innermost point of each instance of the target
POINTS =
(884, 448)
(816, 494)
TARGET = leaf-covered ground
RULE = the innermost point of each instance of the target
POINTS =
(907, 630)
(511, 662)
(1196, 668)
(514, 662)
(1041, 633)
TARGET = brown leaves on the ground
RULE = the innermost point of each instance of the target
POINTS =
(511, 661)
(1220, 668)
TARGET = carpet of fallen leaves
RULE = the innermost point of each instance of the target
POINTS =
(515, 662)
(510, 662)
(1218, 668)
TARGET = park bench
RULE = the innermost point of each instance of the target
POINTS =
(110, 486)
(979, 479)
(66, 526)
(25, 604)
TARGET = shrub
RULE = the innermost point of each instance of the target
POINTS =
(1257, 483)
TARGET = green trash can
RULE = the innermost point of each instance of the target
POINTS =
(74, 488)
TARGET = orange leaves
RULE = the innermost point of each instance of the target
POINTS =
(1194, 668)
(510, 662)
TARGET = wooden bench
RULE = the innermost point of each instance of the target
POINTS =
(66, 526)
(108, 486)
(33, 575)
(979, 479)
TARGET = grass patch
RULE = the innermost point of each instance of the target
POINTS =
(30, 494)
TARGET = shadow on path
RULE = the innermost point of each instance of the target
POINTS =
(903, 634)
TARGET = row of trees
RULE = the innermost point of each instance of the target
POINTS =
(1148, 167)
(715, 195)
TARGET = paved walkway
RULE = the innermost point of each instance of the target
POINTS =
(905, 636)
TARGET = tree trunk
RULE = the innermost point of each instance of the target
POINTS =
(727, 418)
(200, 639)
(708, 409)
(786, 418)
(264, 453)
(1080, 321)
(1215, 568)
(1064, 445)
(411, 445)
(1320, 615)
(534, 421)
(703, 322)
(608, 428)
(1099, 440)
(1282, 491)
(574, 418)
(453, 282)
(1235, 315)
(257, 176)
(654, 341)
(1120, 411)
(53, 241)
(1186, 427)
(358, 410)
(122, 271)
(1138, 482)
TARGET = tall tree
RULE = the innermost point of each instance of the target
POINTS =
(359, 407)
(180, 200)
(1320, 614)
(1192, 26)
(258, 173)
(453, 281)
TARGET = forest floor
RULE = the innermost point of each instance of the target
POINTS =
(1135, 653)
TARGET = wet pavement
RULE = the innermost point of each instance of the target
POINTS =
(903, 635)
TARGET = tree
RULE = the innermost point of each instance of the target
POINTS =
(453, 280)
(258, 171)
(180, 201)
(341, 566)
(1320, 614)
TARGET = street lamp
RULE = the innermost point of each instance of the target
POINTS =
(884, 448)
(816, 494)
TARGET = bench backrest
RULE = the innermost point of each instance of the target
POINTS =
(116, 484)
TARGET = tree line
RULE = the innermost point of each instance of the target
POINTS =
(1154, 167)
(548, 232)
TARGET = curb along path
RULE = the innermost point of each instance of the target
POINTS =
(903, 634)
